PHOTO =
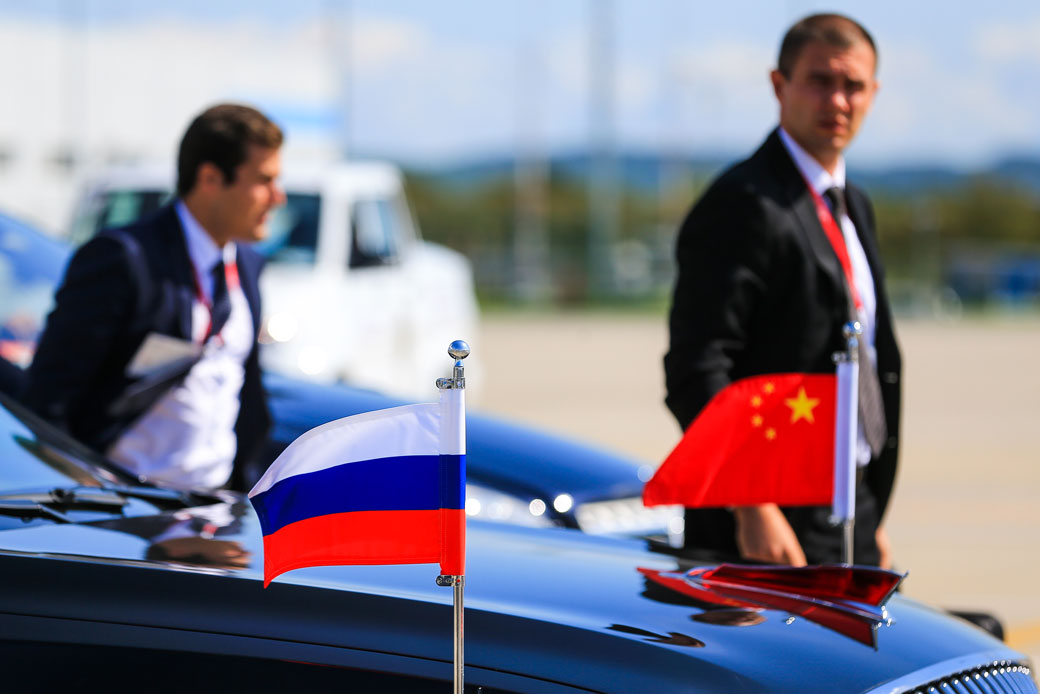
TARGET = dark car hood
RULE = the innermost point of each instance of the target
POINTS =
(615, 630)
(551, 464)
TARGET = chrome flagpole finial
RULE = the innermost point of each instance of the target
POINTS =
(457, 350)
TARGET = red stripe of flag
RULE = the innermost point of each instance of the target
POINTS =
(369, 537)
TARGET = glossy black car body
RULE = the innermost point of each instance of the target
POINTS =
(104, 583)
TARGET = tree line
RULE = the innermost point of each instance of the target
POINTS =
(927, 235)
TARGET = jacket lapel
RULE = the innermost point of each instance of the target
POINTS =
(179, 267)
(858, 214)
(796, 193)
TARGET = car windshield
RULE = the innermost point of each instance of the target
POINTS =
(34, 455)
(30, 266)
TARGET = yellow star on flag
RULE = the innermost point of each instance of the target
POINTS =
(756, 420)
(802, 406)
(770, 433)
(768, 387)
(756, 400)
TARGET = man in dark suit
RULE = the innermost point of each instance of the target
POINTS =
(768, 276)
(150, 354)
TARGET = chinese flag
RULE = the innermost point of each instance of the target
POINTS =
(761, 439)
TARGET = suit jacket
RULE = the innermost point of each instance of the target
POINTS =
(119, 287)
(760, 290)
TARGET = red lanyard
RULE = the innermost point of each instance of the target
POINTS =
(230, 277)
(837, 239)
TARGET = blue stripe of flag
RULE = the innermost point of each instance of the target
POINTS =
(453, 481)
(402, 483)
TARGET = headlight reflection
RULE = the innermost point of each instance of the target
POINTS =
(489, 504)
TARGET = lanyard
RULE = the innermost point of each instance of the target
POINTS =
(230, 279)
(837, 239)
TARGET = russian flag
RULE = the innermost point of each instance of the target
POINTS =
(383, 487)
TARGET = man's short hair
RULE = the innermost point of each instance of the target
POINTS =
(221, 135)
(834, 30)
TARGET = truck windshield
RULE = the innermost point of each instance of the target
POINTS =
(292, 229)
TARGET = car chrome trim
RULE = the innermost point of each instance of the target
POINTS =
(942, 672)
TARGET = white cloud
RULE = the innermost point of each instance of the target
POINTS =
(722, 95)
(932, 107)
(1009, 42)
(421, 93)
(567, 61)
(138, 84)
(380, 41)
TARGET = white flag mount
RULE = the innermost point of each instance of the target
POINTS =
(846, 426)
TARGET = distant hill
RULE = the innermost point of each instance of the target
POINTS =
(1020, 170)
(645, 171)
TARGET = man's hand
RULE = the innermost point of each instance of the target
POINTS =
(225, 554)
(884, 548)
(764, 534)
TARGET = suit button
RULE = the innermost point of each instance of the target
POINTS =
(892, 441)
(891, 377)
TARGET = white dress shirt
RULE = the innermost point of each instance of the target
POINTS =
(822, 180)
(187, 438)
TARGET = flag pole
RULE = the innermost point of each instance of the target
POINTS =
(457, 350)
(846, 428)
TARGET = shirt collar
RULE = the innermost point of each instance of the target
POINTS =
(817, 176)
(202, 249)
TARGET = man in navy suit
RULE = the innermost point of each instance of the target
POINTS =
(150, 354)
(768, 275)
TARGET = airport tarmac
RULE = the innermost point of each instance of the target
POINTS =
(965, 518)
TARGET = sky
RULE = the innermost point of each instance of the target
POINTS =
(433, 83)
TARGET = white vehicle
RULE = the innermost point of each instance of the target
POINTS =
(351, 292)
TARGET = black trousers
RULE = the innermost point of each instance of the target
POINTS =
(714, 530)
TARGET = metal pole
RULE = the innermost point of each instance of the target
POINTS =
(458, 583)
(458, 350)
(460, 641)
(849, 538)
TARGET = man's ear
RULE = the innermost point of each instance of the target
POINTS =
(209, 177)
(778, 80)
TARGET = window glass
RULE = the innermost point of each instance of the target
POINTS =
(292, 228)
(116, 208)
(292, 231)
(127, 206)
(376, 229)
(35, 455)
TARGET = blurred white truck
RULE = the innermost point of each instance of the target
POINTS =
(351, 292)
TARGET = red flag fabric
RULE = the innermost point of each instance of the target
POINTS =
(760, 440)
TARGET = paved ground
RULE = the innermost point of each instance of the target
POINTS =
(966, 515)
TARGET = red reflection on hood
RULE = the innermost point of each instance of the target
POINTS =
(866, 584)
(846, 599)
